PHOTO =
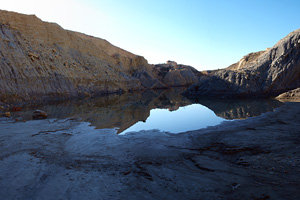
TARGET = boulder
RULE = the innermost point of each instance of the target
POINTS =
(39, 114)
(172, 74)
(7, 114)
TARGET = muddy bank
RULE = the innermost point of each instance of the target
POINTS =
(256, 158)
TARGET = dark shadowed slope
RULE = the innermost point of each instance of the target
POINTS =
(265, 73)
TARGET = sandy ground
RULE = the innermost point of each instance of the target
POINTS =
(257, 158)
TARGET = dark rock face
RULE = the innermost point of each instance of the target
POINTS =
(267, 73)
(147, 80)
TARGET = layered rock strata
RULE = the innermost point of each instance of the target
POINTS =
(261, 74)
(41, 61)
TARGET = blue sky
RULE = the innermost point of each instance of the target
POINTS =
(206, 34)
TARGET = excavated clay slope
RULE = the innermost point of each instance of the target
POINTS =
(40, 61)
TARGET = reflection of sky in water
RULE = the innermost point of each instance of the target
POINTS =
(186, 118)
(128, 110)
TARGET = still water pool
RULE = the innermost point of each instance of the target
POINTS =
(165, 110)
(187, 118)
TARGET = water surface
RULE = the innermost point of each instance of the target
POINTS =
(187, 118)
(165, 110)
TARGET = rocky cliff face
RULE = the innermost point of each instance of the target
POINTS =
(41, 61)
(266, 73)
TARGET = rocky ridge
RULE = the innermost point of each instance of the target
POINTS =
(262, 74)
(41, 61)
(292, 95)
(246, 60)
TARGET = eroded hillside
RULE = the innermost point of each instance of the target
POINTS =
(41, 61)
(262, 74)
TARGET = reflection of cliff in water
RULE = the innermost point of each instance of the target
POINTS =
(125, 110)
(112, 111)
(239, 109)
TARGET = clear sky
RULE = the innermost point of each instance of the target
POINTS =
(206, 34)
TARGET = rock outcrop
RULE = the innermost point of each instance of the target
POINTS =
(172, 74)
(261, 74)
(41, 61)
(292, 95)
(246, 61)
